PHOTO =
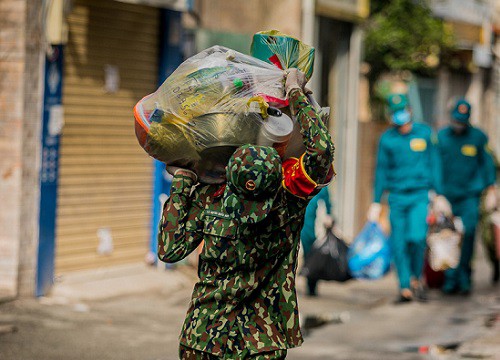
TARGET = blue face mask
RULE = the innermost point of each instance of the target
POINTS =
(401, 117)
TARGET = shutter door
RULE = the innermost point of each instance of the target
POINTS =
(105, 177)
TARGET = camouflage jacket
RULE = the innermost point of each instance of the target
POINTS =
(245, 297)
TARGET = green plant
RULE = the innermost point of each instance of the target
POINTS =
(403, 35)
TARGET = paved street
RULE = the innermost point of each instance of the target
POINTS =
(135, 312)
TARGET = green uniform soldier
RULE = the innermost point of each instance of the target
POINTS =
(406, 169)
(467, 171)
(244, 305)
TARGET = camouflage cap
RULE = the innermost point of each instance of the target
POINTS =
(253, 179)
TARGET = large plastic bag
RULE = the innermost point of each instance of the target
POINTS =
(369, 254)
(327, 259)
(213, 103)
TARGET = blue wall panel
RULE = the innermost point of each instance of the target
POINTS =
(49, 173)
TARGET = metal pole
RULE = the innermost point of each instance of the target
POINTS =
(351, 135)
(309, 36)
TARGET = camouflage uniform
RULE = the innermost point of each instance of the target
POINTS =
(186, 353)
(245, 302)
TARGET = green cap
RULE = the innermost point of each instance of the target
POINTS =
(461, 111)
(253, 180)
(397, 102)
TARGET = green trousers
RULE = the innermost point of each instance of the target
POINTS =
(186, 353)
(408, 216)
(460, 277)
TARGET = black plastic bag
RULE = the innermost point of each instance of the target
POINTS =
(327, 260)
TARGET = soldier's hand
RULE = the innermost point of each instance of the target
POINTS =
(175, 170)
(295, 79)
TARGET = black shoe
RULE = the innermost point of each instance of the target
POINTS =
(403, 300)
(420, 293)
(449, 290)
(465, 291)
(496, 272)
(312, 287)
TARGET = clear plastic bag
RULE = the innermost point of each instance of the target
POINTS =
(444, 249)
(213, 103)
(444, 241)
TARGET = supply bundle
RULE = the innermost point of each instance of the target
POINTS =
(218, 100)
(444, 241)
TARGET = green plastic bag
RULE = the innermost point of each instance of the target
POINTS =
(283, 50)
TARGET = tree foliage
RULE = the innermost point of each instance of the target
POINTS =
(403, 35)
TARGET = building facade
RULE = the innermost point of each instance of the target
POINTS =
(77, 191)
(76, 188)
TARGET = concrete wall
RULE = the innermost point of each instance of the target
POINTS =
(19, 143)
(12, 53)
(31, 146)
(251, 16)
(369, 135)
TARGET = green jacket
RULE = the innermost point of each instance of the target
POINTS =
(406, 162)
(245, 297)
(467, 166)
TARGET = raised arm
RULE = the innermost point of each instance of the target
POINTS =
(315, 164)
(180, 225)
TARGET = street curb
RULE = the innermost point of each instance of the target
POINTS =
(116, 281)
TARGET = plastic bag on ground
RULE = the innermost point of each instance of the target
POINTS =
(327, 260)
(369, 254)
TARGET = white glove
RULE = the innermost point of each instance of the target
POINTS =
(328, 222)
(295, 79)
(490, 200)
(374, 211)
(459, 224)
(442, 206)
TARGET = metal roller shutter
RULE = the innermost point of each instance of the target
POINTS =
(105, 177)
